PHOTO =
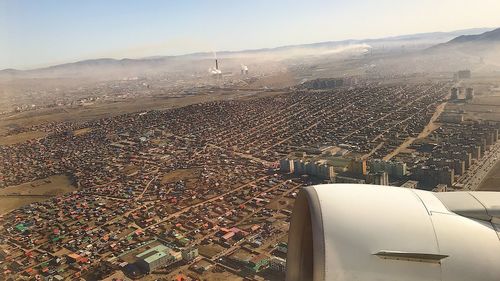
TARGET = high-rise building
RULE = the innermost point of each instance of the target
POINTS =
(475, 151)
(392, 168)
(459, 166)
(286, 166)
(300, 167)
(378, 178)
(357, 167)
(469, 93)
(464, 74)
(446, 176)
(454, 93)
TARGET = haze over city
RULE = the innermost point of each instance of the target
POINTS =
(250, 140)
(42, 33)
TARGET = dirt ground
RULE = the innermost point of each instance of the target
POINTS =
(84, 113)
(107, 109)
(21, 137)
(181, 174)
(221, 276)
(492, 181)
(281, 80)
(83, 131)
(210, 250)
(13, 197)
(485, 104)
(118, 275)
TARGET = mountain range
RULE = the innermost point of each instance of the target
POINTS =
(478, 41)
(485, 46)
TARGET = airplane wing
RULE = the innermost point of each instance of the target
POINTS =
(366, 232)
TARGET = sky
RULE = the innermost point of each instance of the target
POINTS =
(38, 33)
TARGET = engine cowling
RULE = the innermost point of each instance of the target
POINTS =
(344, 232)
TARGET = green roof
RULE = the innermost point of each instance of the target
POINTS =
(21, 227)
(154, 256)
(154, 253)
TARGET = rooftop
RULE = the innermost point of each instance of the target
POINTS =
(154, 253)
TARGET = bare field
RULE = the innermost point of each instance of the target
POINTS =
(210, 250)
(284, 203)
(83, 131)
(221, 276)
(21, 137)
(275, 81)
(96, 111)
(74, 114)
(477, 112)
(486, 102)
(492, 181)
(16, 196)
(181, 174)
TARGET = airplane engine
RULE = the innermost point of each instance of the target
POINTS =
(344, 232)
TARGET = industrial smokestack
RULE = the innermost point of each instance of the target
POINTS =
(244, 69)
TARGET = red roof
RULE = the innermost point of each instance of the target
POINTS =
(228, 235)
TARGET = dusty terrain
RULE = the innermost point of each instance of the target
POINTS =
(13, 197)
(101, 110)
(492, 181)
(21, 137)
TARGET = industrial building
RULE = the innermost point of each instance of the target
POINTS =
(155, 257)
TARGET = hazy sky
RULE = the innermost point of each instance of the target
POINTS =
(36, 33)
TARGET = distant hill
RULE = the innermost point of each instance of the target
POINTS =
(489, 36)
(129, 67)
(485, 45)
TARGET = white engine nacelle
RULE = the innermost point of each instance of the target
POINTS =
(344, 232)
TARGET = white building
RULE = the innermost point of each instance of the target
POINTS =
(277, 264)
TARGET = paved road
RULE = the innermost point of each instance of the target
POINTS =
(477, 173)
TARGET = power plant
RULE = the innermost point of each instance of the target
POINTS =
(215, 71)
